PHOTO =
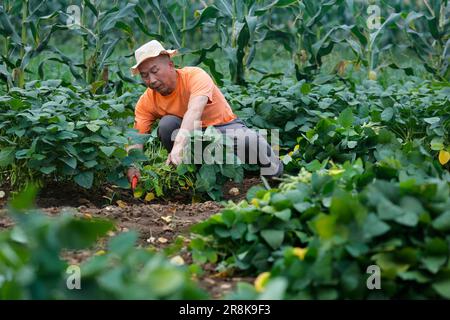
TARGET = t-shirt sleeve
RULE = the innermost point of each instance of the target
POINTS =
(144, 117)
(201, 84)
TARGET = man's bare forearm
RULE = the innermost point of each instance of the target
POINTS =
(191, 119)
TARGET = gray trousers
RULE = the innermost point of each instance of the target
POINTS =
(255, 147)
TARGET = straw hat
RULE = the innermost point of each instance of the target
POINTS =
(149, 50)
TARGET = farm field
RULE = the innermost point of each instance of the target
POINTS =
(354, 97)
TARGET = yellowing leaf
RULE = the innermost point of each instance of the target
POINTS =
(333, 172)
(121, 204)
(138, 193)
(150, 196)
(168, 228)
(100, 253)
(300, 252)
(177, 260)
(255, 202)
(88, 216)
(444, 157)
(261, 281)
(162, 240)
(296, 147)
(221, 274)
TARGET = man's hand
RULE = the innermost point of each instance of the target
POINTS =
(132, 171)
(191, 121)
(176, 155)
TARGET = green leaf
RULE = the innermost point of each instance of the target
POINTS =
(432, 120)
(85, 179)
(390, 20)
(434, 263)
(253, 191)
(274, 290)
(273, 237)
(25, 199)
(390, 263)
(374, 227)
(290, 125)
(71, 162)
(81, 233)
(93, 127)
(325, 226)
(442, 223)
(305, 88)
(274, 4)
(327, 294)
(165, 280)
(209, 13)
(387, 114)
(408, 218)
(437, 144)
(123, 243)
(388, 211)
(7, 156)
(108, 151)
(417, 276)
(6, 27)
(352, 144)
(442, 287)
(228, 217)
(284, 215)
(92, 7)
(47, 170)
(357, 249)
(346, 118)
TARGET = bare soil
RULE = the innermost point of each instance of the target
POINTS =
(158, 223)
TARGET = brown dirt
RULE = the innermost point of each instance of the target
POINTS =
(158, 223)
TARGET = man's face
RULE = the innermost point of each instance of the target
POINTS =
(159, 74)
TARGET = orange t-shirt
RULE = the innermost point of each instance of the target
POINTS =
(191, 82)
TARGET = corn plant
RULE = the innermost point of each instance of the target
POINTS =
(241, 26)
(20, 47)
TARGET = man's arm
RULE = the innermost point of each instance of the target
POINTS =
(143, 121)
(191, 121)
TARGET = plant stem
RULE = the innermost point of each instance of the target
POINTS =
(83, 45)
(233, 33)
(24, 41)
(429, 8)
(183, 39)
(6, 47)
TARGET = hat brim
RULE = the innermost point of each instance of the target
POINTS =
(135, 70)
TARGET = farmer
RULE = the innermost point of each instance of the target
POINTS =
(187, 99)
